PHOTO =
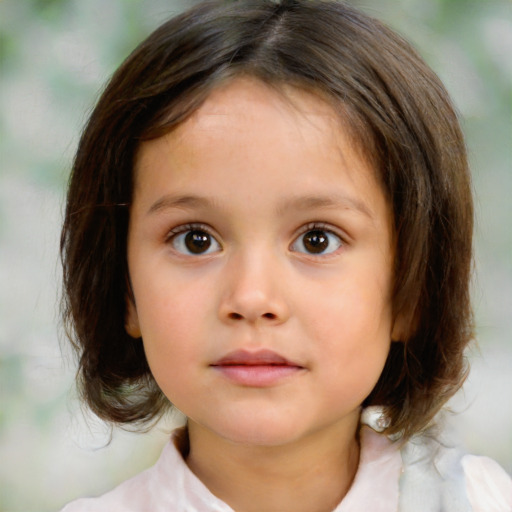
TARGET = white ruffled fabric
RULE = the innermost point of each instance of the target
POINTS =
(488, 487)
(437, 476)
(421, 476)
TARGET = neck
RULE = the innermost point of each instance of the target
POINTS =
(312, 474)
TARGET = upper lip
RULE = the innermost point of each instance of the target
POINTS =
(258, 358)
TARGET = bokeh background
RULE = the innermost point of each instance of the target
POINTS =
(54, 57)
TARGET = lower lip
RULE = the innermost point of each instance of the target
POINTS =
(258, 375)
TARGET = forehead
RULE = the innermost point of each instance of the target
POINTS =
(250, 92)
(249, 134)
(250, 100)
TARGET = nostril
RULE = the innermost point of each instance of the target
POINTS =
(238, 316)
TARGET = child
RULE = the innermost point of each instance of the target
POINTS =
(269, 227)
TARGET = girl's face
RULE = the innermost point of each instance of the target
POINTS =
(260, 253)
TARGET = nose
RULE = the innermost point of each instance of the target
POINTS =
(254, 291)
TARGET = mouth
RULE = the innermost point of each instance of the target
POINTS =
(263, 368)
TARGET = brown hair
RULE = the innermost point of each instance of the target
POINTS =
(404, 122)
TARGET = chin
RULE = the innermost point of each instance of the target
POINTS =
(260, 433)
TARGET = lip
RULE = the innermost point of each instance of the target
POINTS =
(263, 368)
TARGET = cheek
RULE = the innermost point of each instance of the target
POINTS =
(168, 302)
(355, 310)
(169, 320)
(354, 346)
(351, 322)
(171, 335)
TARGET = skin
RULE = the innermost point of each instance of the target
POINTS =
(254, 168)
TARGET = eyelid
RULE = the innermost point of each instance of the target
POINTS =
(192, 226)
(320, 226)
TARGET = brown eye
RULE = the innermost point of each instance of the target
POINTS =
(197, 242)
(194, 242)
(317, 241)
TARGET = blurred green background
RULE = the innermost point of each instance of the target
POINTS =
(54, 57)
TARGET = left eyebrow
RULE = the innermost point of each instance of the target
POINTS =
(311, 202)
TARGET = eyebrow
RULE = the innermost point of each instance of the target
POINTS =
(312, 202)
(308, 202)
(189, 201)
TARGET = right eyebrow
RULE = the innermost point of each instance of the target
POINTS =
(186, 201)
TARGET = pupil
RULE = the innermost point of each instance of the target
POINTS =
(316, 241)
(197, 241)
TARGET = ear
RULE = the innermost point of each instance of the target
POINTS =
(398, 331)
(131, 321)
(404, 326)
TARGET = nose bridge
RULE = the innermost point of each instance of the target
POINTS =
(253, 288)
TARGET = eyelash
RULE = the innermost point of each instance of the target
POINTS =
(184, 228)
(312, 226)
(190, 228)
(325, 228)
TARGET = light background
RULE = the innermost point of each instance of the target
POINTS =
(54, 57)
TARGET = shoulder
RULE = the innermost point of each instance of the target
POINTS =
(129, 496)
(440, 476)
(140, 493)
(167, 486)
(488, 486)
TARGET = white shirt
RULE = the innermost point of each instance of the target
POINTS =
(388, 479)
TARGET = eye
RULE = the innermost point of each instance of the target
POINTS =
(317, 241)
(195, 241)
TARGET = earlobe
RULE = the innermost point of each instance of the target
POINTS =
(404, 326)
(397, 332)
(131, 323)
(401, 328)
